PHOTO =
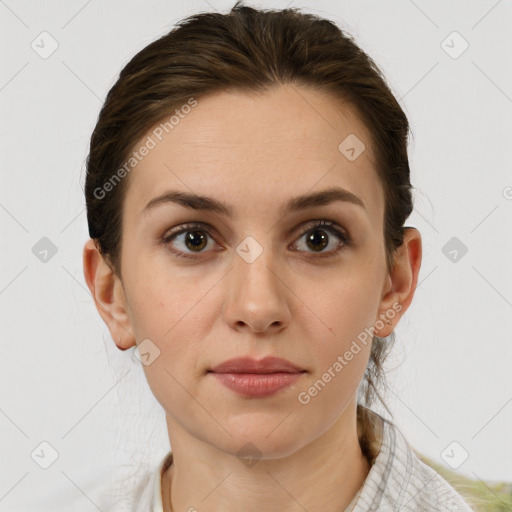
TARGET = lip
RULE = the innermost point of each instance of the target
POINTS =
(250, 365)
(252, 378)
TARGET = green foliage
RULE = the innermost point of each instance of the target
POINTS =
(480, 495)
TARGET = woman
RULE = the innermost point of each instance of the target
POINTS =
(247, 187)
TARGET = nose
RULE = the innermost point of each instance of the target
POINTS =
(256, 296)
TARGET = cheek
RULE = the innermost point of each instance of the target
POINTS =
(334, 385)
(344, 304)
(176, 315)
(344, 311)
(173, 323)
(159, 298)
(342, 357)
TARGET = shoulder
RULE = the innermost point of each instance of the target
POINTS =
(147, 494)
(143, 493)
(399, 480)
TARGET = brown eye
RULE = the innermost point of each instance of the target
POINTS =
(195, 240)
(185, 240)
(318, 240)
(321, 234)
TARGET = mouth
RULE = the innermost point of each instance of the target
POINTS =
(253, 366)
(257, 385)
(257, 379)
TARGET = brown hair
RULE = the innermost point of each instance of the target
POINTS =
(251, 50)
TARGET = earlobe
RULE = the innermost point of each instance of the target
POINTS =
(108, 295)
(401, 283)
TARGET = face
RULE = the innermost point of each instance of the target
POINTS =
(259, 279)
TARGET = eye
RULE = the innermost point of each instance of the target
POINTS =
(188, 239)
(319, 237)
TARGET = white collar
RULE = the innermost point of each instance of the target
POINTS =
(398, 480)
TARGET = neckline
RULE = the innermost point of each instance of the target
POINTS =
(380, 427)
(159, 487)
(384, 456)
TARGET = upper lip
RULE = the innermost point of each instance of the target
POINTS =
(250, 365)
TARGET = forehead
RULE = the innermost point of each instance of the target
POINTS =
(241, 147)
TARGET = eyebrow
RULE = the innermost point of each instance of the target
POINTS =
(295, 204)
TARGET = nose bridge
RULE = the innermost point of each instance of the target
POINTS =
(255, 268)
(256, 296)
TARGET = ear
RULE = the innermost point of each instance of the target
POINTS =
(108, 294)
(400, 283)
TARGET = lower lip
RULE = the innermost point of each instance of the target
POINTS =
(257, 384)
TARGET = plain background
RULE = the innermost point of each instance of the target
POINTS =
(64, 382)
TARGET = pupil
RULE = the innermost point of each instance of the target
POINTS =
(198, 242)
(317, 239)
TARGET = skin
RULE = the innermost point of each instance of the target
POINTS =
(254, 152)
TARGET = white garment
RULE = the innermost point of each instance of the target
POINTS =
(398, 481)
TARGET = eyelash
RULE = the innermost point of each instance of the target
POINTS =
(326, 224)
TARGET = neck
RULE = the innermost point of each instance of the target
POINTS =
(325, 474)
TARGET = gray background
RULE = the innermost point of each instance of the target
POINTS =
(64, 382)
